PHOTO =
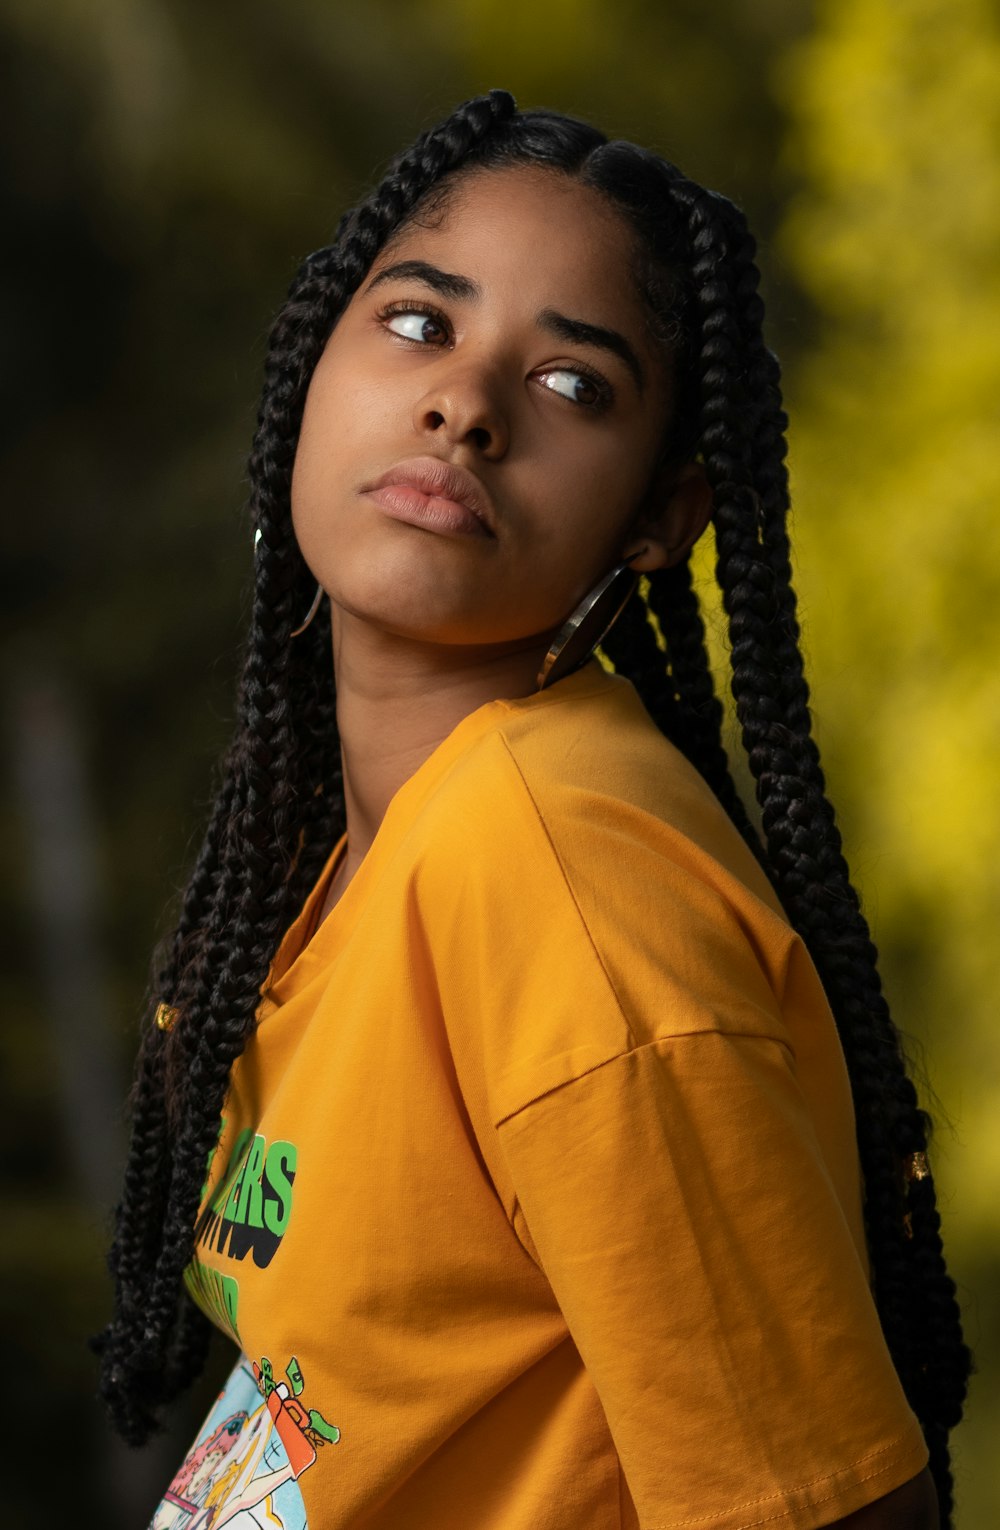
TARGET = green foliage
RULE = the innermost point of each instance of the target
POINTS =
(895, 139)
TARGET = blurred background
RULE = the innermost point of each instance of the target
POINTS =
(165, 166)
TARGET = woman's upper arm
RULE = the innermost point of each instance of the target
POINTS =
(913, 1506)
(675, 1147)
(682, 1213)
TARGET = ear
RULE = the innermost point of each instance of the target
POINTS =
(674, 512)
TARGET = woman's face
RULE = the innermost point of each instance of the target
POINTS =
(506, 340)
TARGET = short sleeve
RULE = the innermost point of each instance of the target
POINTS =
(679, 1205)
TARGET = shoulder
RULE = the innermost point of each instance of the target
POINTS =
(586, 763)
(605, 772)
(574, 814)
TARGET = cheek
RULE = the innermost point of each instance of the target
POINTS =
(338, 449)
(594, 497)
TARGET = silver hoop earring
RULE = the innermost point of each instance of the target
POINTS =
(312, 611)
(592, 620)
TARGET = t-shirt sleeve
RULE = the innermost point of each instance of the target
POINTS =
(661, 1098)
(677, 1200)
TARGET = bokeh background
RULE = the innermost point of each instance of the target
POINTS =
(165, 165)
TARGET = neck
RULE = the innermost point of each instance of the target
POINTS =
(397, 700)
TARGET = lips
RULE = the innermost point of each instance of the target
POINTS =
(443, 480)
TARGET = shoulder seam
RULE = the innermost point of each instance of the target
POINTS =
(657, 1041)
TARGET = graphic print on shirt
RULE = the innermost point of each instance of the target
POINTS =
(217, 1295)
(248, 1213)
(243, 1469)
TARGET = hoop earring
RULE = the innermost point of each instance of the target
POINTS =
(592, 620)
(312, 611)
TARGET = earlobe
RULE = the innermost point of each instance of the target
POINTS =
(692, 502)
(683, 503)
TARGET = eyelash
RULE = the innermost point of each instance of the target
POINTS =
(606, 393)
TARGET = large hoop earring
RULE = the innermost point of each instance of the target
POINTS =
(592, 620)
(312, 611)
(316, 598)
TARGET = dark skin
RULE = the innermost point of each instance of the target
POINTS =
(426, 627)
(565, 436)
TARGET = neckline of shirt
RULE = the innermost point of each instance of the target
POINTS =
(305, 943)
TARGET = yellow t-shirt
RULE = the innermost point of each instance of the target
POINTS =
(536, 1204)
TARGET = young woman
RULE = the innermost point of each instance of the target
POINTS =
(535, 1128)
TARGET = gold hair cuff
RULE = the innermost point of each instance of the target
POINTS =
(916, 1166)
(166, 1017)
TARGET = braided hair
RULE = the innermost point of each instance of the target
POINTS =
(280, 804)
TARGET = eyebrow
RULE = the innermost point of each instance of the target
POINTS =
(464, 289)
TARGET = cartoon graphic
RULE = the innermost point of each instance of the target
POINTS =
(243, 1468)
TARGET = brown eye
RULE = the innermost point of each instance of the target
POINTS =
(577, 386)
(417, 325)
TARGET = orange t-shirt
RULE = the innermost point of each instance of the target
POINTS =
(537, 1202)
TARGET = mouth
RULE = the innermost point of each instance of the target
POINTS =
(437, 494)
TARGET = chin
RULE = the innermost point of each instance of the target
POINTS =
(406, 592)
(403, 614)
(429, 623)
(403, 594)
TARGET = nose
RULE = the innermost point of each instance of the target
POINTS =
(463, 406)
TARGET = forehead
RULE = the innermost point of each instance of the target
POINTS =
(529, 232)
